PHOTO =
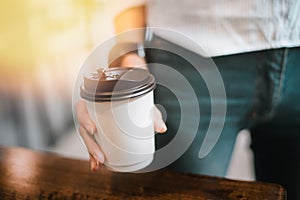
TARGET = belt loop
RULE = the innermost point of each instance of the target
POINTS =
(148, 34)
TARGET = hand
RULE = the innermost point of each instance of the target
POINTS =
(88, 128)
(129, 60)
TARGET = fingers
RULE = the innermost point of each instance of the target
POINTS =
(159, 124)
(86, 130)
(96, 154)
(94, 164)
(84, 118)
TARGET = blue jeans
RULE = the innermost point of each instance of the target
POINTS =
(262, 96)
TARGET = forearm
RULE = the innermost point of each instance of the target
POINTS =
(130, 19)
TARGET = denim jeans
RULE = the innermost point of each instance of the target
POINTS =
(262, 95)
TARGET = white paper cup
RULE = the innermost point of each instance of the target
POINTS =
(124, 121)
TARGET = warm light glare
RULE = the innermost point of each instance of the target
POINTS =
(34, 32)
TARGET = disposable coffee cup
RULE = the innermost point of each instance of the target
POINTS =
(120, 101)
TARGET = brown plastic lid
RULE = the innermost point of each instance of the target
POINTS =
(116, 84)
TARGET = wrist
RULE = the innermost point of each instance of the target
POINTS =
(122, 50)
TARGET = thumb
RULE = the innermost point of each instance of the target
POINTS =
(159, 124)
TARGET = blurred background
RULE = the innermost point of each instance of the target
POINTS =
(42, 45)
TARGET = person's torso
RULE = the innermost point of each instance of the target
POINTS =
(224, 27)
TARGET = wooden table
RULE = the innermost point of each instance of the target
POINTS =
(27, 174)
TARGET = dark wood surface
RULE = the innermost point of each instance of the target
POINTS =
(26, 174)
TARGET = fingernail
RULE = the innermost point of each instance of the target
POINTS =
(163, 129)
(90, 129)
(95, 168)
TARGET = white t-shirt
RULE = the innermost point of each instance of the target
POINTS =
(223, 27)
